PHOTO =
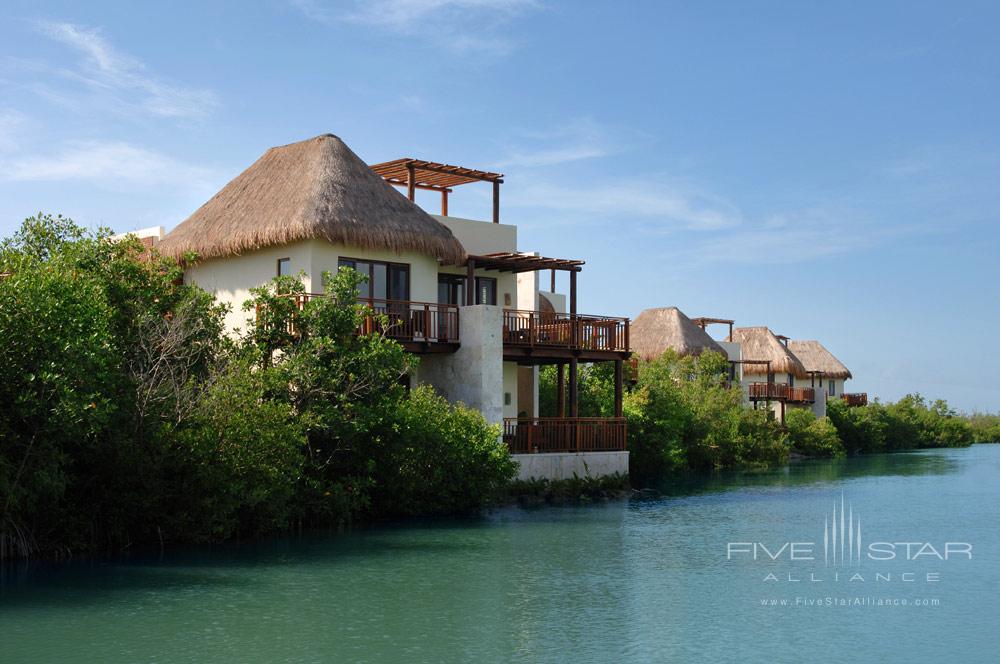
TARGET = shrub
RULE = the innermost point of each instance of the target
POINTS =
(812, 436)
(435, 458)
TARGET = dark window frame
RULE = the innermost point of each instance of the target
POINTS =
(371, 275)
(479, 291)
(287, 261)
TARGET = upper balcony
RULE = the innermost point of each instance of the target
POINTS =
(780, 392)
(420, 327)
(855, 399)
(547, 335)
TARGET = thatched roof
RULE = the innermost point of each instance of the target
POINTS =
(655, 330)
(759, 343)
(815, 357)
(316, 188)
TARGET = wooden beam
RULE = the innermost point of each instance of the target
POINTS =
(572, 293)
(470, 283)
(411, 183)
(444, 202)
(496, 201)
(574, 395)
(553, 288)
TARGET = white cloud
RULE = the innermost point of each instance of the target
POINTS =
(110, 164)
(579, 139)
(119, 79)
(790, 238)
(458, 25)
(11, 121)
(651, 205)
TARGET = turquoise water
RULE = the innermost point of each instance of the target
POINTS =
(637, 580)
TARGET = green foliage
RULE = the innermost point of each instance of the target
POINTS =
(129, 417)
(682, 415)
(985, 428)
(910, 423)
(573, 491)
(812, 436)
(434, 458)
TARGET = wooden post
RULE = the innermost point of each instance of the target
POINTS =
(561, 389)
(574, 400)
(618, 388)
(552, 289)
(444, 202)
(496, 202)
(470, 283)
(572, 292)
(411, 183)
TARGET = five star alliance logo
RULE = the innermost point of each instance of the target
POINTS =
(849, 537)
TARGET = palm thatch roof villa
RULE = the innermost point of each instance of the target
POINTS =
(656, 330)
(826, 371)
(772, 375)
(459, 292)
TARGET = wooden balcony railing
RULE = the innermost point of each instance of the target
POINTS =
(573, 331)
(856, 399)
(801, 395)
(407, 320)
(528, 435)
(767, 391)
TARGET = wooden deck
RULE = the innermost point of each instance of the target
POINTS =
(530, 435)
(780, 392)
(536, 337)
(421, 327)
(855, 399)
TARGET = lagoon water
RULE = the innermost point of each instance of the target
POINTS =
(640, 580)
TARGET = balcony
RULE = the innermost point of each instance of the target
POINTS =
(560, 336)
(801, 395)
(531, 435)
(856, 399)
(421, 327)
(767, 392)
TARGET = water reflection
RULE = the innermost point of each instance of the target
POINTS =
(811, 472)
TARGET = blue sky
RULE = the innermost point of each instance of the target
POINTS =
(831, 170)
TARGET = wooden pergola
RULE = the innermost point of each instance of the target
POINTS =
(510, 261)
(515, 262)
(433, 176)
(705, 321)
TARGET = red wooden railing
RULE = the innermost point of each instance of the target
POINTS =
(527, 435)
(407, 320)
(537, 328)
(801, 395)
(856, 399)
(769, 391)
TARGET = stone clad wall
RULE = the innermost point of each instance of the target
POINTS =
(473, 374)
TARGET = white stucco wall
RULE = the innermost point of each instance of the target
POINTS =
(231, 278)
(562, 466)
(558, 301)
(481, 237)
(509, 387)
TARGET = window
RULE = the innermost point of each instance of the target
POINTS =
(386, 281)
(831, 388)
(451, 289)
(284, 267)
(486, 290)
(791, 380)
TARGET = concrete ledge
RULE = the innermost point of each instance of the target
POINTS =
(562, 466)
